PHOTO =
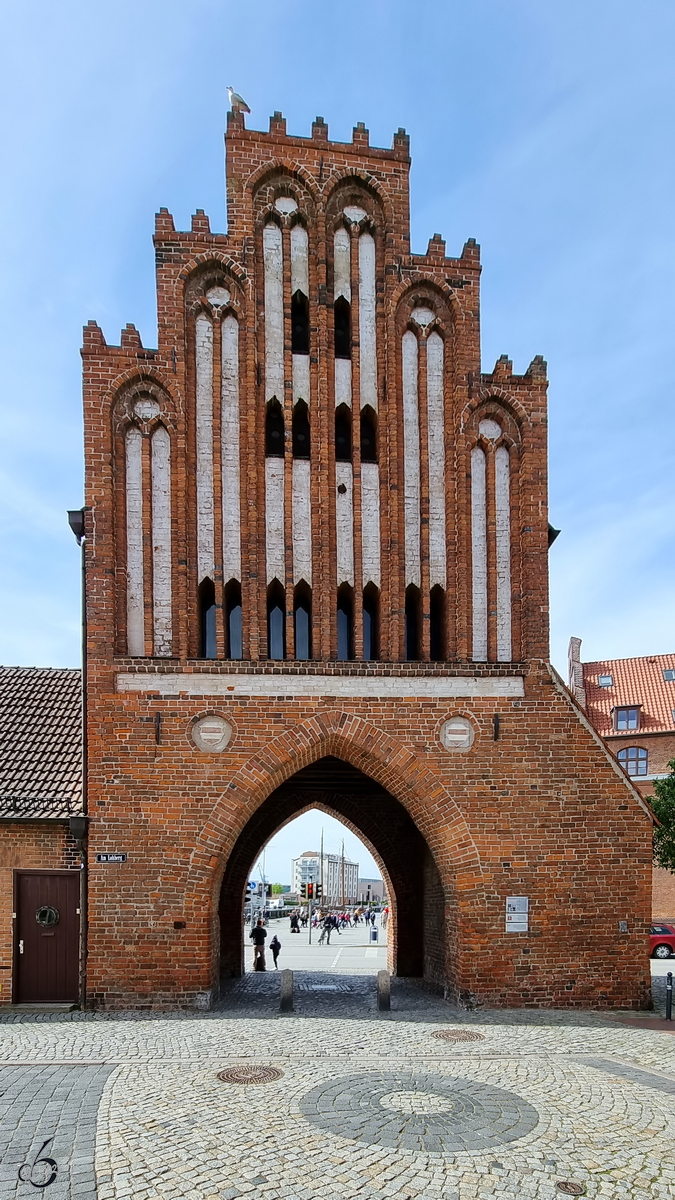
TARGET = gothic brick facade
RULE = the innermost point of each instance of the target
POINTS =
(316, 561)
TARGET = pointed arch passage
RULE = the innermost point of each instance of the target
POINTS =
(373, 813)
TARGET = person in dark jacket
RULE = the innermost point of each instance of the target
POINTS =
(275, 947)
(257, 936)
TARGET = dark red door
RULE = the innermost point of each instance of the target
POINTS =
(48, 935)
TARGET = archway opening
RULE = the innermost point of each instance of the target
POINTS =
(416, 933)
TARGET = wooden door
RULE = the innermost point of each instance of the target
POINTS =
(47, 937)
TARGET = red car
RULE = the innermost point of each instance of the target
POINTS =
(662, 940)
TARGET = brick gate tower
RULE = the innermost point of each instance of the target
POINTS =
(316, 563)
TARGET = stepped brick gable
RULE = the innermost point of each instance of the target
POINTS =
(316, 563)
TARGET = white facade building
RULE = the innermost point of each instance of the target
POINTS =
(339, 877)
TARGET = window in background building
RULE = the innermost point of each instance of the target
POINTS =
(634, 760)
(627, 718)
(605, 681)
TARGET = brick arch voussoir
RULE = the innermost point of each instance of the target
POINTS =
(214, 258)
(369, 749)
(369, 181)
(137, 376)
(510, 402)
(287, 167)
(449, 295)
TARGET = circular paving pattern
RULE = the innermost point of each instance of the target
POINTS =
(459, 1035)
(250, 1074)
(416, 1110)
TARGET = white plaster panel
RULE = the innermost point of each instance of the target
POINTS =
(134, 507)
(160, 460)
(489, 429)
(342, 244)
(273, 256)
(422, 316)
(440, 687)
(299, 261)
(204, 439)
(274, 519)
(344, 520)
(367, 334)
(479, 554)
(436, 440)
(370, 523)
(503, 552)
(301, 378)
(302, 521)
(230, 450)
(343, 381)
(411, 459)
(286, 204)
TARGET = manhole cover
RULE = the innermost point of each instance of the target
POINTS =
(459, 1035)
(250, 1074)
(570, 1188)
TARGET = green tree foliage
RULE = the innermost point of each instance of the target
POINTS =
(277, 889)
(663, 803)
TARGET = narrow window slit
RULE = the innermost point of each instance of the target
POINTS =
(207, 619)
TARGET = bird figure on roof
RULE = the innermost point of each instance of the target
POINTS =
(237, 102)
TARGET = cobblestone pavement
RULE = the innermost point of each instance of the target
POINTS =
(368, 1105)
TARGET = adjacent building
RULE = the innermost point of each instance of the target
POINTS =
(631, 703)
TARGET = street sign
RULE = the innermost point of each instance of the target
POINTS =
(111, 858)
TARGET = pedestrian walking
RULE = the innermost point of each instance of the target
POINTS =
(295, 928)
(257, 936)
(275, 947)
(326, 929)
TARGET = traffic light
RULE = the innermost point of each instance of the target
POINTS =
(317, 891)
(268, 889)
(303, 890)
(310, 891)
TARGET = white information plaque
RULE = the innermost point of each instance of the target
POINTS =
(517, 914)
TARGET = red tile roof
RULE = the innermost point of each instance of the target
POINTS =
(40, 742)
(636, 681)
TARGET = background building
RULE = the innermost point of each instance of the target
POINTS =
(339, 876)
(371, 889)
(631, 702)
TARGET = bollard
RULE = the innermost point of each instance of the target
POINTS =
(383, 991)
(669, 996)
(286, 1001)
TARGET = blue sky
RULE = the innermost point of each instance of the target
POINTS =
(543, 130)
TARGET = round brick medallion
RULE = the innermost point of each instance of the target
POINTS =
(252, 1074)
(457, 734)
(418, 1110)
(459, 1035)
(211, 734)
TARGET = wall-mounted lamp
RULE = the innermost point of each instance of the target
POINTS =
(76, 522)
